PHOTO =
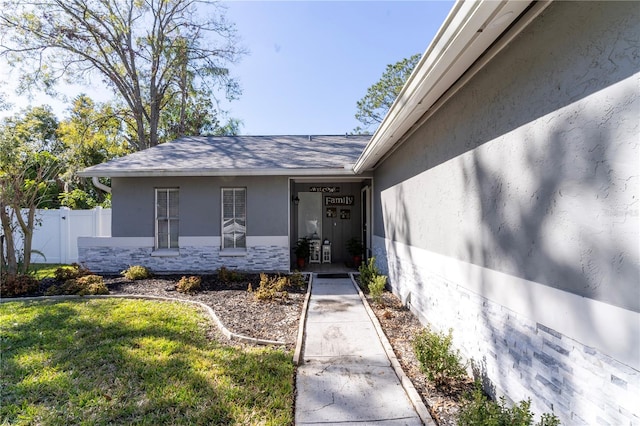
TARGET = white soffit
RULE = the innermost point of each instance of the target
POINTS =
(469, 30)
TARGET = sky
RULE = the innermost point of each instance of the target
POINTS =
(309, 62)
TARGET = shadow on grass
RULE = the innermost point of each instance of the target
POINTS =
(108, 361)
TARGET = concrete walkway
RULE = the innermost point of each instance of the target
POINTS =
(345, 376)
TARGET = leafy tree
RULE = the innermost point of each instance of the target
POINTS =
(91, 135)
(35, 128)
(151, 52)
(28, 170)
(196, 116)
(380, 96)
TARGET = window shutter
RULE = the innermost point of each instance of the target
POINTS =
(173, 204)
(161, 204)
(227, 204)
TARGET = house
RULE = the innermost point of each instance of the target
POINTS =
(500, 194)
(199, 203)
(506, 199)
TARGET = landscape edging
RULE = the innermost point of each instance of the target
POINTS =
(225, 331)
(407, 385)
(297, 354)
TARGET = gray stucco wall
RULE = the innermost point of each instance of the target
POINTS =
(532, 168)
(133, 205)
(512, 216)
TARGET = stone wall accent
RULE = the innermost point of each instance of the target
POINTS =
(190, 259)
(516, 356)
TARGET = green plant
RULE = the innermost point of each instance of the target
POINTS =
(368, 272)
(355, 247)
(70, 272)
(438, 360)
(136, 272)
(91, 284)
(376, 287)
(477, 409)
(302, 248)
(82, 286)
(17, 285)
(189, 285)
(77, 199)
(271, 288)
(229, 275)
(296, 279)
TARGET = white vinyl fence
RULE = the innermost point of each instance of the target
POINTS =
(56, 232)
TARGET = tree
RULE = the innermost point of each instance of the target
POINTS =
(374, 105)
(196, 115)
(27, 175)
(91, 135)
(150, 52)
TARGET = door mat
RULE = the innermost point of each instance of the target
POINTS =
(333, 275)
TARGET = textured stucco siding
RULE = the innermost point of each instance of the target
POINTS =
(199, 209)
(529, 178)
(532, 169)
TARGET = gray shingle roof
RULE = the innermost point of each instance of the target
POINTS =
(238, 155)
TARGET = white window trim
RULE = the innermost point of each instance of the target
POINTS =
(165, 251)
(232, 251)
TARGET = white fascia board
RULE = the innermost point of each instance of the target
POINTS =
(469, 30)
(339, 171)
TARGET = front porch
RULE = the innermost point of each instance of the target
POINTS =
(330, 212)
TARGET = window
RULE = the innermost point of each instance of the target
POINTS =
(234, 218)
(166, 218)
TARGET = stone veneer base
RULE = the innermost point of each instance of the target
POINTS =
(516, 356)
(204, 259)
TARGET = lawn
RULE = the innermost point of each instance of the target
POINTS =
(108, 361)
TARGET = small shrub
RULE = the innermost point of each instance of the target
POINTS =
(82, 286)
(189, 285)
(368, 272)
(271, 288)
(136, 272)
(297, 280)
(376, 287)
(438, 360)
(54, 290)
(17, 285)
(477, 409)
(229, 275)
(91, 284)
(70, 272)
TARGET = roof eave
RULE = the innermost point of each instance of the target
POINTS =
(344, 171)
(469, 30)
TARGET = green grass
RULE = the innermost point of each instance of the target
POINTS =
(44, 270)
(113, 361)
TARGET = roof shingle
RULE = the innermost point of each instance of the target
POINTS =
(238, 155)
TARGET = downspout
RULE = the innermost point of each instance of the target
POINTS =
(100, 185)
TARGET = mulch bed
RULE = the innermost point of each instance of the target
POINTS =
(237, 308)
(400, 326)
